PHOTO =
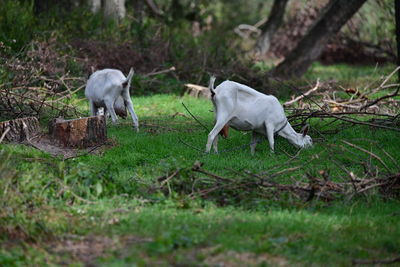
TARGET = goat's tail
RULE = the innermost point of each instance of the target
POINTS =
(127, 83)
(211, 85)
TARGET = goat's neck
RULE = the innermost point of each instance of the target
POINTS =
(289, 133)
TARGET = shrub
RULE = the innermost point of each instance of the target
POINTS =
(17, 23)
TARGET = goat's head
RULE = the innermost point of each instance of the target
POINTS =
(304, 139)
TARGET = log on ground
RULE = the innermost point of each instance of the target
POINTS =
(198, 91)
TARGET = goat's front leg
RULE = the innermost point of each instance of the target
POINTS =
(129, 105)
(93, 108)
(214, 133)
(270, 135)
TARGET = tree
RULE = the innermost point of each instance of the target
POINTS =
(397, 14)
(113, 9)
(274, 21)
(331, 19)
(95, 5)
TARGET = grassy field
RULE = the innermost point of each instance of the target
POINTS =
(105, 209)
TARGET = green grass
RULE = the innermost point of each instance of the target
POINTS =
(40, 207)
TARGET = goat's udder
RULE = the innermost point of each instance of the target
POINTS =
(225, 131)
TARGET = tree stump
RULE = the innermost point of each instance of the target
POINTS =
(198, 91)
(19, 130)
(80, 133)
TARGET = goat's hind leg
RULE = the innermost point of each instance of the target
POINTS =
(110, 108)
(214, 134)
(255, 138)
(129, 105)
(215, 144)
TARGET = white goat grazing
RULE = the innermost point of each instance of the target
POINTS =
(245, 109)
(109, 88)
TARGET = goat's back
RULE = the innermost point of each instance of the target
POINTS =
(245, 95)
(102, 81)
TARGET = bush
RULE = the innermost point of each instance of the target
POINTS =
(17, 23)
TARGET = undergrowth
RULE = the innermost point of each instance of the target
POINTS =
(117, 194)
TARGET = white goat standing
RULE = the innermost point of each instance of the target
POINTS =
(109, 88)
(245, 109)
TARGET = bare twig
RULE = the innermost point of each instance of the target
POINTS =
(159, 72)
(4, 134)
(395, 93)
(195, 117)
(65, 187)
(169, 177)
(197, 168)
(189, 145)
(288, 103)
(368, 152)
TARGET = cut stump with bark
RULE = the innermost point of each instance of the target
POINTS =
(198, 91)
(80, 133)
(19, 130)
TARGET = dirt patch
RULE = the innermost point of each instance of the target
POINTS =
(13, 233)
(45, 143)
(87, 249)
(233, 259)
(216, 256)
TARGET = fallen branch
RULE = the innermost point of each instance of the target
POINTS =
(169, 177)
(368, 152)
(4, 134)
(195, 118)
(395, 93)
(197, 168)
(288, 103)
(159, 72)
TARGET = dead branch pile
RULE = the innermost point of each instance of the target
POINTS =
(376, 104)
(37, 84)
(357, 172)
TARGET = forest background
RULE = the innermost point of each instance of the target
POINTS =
(153, 198)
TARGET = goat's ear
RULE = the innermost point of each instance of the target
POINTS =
(305, 129)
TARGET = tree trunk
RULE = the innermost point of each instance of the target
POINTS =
(335, 14)
(19, 130)
(95, 5)
(397, 14)
(198, 91)
(114, 9)
(273, 23)
(83, 132)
